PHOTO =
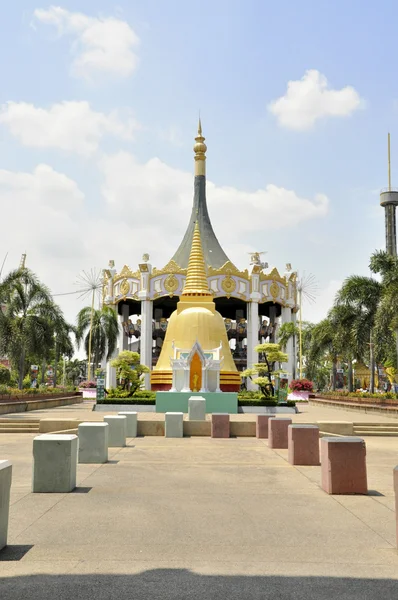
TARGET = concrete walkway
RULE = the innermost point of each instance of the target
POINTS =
(307, 414)
(200, 518)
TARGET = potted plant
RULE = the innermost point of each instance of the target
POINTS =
(89, 389)
(300, 389)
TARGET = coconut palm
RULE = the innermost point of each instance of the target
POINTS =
(75, 369)
(27, 318)
(105, 330)
(362, 296)
(63, 345)
(324, 346)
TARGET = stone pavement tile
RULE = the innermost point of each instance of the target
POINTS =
(27, 511)
(23, 567)
(387, 501)
(372, 513)
(242, 556)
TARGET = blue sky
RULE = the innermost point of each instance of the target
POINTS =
(230, 60)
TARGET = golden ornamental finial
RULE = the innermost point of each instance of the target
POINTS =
(196, 280)
(200, 148)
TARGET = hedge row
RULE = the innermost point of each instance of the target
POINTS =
(150, 401)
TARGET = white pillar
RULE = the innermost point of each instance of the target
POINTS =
(146, 338)
(186, 387)
(289, 366)
(146, 321)
(252, 337)
(123, 338)
(294, 345)
(203, 387)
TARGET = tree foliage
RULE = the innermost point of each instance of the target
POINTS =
(262, 372)
(129, 371)
(104, 333)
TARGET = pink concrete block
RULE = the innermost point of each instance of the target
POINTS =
(262, 426)
(277, 432)
(303, 444)
(219, 425)
(395, 472)
(343, 465)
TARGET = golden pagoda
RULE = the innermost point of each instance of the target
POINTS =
(195, 355)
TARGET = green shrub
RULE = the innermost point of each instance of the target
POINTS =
(4, 390)
(145, 394)
(133, 400)
(5, 375)
(250, 394)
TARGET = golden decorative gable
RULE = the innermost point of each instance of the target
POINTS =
(170, 269)
(127, 272)
(228, 268)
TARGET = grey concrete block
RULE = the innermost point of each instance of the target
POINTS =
(174, 424)
(131, 423)
(54, 463)
(5, 486)
(117, 430)
(197, 408)
(93, 442)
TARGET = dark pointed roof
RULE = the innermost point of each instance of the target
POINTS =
(213, 253)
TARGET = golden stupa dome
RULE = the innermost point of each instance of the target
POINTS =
(195, 319)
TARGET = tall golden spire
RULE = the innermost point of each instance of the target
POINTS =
(196, 280)
(200, 152)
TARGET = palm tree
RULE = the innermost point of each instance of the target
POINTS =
(386, 321)
(63, 344)
(324, 345)
(75, 369)
(26, 321)
(362, 296)
(105, 331)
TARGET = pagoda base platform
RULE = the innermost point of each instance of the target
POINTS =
(216, 402)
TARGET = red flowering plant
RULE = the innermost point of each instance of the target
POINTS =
(301, 385)
(88, 385)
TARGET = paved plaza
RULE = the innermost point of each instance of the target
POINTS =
(199, 518)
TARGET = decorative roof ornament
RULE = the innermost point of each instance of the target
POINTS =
(196, 280)
(200, 146)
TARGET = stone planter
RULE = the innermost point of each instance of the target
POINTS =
(89, 393)
(296, 395)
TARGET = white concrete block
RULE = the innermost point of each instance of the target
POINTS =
(54, 463)
(5, 485)
(131, 424)
(93, 442)
(174, 424)
(117, 430)
(197, 408)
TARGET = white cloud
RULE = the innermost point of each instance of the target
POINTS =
(155, 191)
(310, 99)
(70, 126)
(100, 44)
(144, 208)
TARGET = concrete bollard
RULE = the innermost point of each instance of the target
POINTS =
(303, 444)
(174, 427)
(277, 433)
(220, 425)
(5, 486)
(343, 465)
(117, 430)
(196, 408)
(262, 426)
(54, 463)
(93, 442)
(131, 423)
